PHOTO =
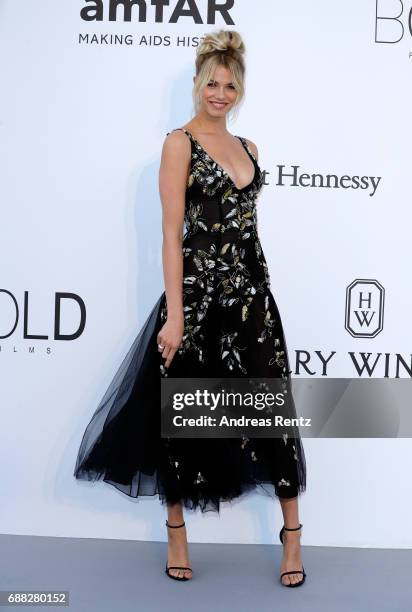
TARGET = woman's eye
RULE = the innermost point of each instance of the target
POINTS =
(211, 84)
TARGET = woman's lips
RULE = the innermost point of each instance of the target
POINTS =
(218, 104)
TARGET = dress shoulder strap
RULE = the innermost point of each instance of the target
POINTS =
(183, 130)
(246, 146)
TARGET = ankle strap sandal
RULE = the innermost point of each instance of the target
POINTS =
(302, 571)
(175, 566)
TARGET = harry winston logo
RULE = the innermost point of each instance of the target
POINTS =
(364, 308)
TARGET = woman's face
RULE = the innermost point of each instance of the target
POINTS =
(219, 95)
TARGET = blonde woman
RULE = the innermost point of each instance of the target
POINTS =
(216, 318)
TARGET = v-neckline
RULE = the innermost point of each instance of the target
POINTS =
(254, 162)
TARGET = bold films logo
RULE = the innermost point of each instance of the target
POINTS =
(66, 318)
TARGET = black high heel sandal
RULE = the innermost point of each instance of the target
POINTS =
(302, 571)
(176, 567)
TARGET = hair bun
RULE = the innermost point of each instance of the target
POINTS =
(221, 41)
(221, 48)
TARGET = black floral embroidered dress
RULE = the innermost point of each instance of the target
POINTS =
(232, 328)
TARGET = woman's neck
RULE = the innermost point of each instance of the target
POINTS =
(202, 122)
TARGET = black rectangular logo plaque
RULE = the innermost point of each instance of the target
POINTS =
(227, 408)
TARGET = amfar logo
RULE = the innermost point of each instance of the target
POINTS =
(364, 308)
(327, 181)
(389, 27)
(10, 315)
(96, 9)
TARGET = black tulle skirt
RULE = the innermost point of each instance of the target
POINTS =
(122, 444)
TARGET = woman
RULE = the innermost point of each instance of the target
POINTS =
(217, 317)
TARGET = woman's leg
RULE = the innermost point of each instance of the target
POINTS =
(177, 552)
(291, 551)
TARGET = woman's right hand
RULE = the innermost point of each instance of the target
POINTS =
(170, 338)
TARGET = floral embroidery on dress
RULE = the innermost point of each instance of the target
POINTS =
(224, 269)
(223, 266)
(231, 328)
(283, 483)
(199, 478)
(230, 352)
(206, 172)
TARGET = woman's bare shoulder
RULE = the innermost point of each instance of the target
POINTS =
(176, 143)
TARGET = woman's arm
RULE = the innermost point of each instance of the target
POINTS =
(174, 165)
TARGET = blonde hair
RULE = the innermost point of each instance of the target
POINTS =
(221, 48)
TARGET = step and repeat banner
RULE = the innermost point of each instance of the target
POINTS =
(89, 91)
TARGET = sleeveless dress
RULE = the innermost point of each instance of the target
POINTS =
(232, 327)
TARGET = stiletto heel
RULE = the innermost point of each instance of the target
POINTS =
(176, 567)
(302, 571)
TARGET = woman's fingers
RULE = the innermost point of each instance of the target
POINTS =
(166, 348)
(167, 353)
(170, 357)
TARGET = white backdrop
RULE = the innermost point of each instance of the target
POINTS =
(82, 125)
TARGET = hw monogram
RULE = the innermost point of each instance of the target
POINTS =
(364, 308)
